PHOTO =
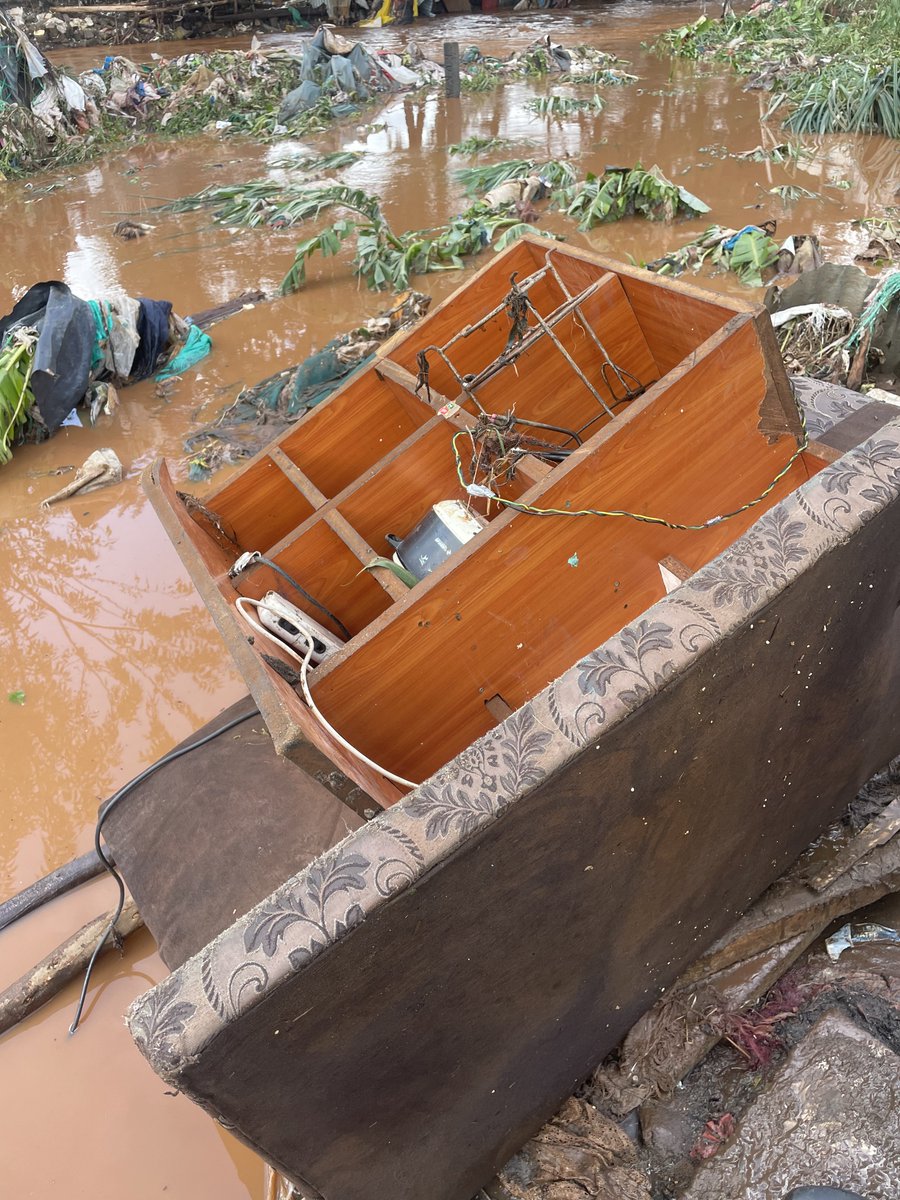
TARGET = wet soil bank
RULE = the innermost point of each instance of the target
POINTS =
(102, 629)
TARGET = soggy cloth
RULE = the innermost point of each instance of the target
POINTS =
(197, 346)
(153, 331)
(116, 336)
(62, 359)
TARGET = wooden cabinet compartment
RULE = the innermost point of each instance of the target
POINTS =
(709, 423)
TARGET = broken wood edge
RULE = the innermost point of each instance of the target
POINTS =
(798, 910)
(878, 832)
(39, 985)
(784, 927)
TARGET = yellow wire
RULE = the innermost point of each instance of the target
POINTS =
(643, 517)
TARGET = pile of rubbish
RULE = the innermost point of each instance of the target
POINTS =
(837, 323)
(338, 74)
(261, 412)
(47, 116)
(580, 64)
(59, 352)
(751, 253)
(91, 25)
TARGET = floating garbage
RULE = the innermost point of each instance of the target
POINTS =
(99, 469)
(58, 351)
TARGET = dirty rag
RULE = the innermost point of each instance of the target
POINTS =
(197, 346)
(153, 331)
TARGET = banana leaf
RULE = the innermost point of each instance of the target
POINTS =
(16, 397)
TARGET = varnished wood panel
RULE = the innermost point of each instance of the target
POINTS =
(261, 504)
(477, 297)
(523, 385)
(401, 494)
(542, 591)
(289, 721)
(447, 1027)
(674, 323)
(322, 563)
(346, 434)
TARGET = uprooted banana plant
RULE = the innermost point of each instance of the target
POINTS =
(16, 397)
(748, 252)
(556, 105)
(622, 192)
(385, 259)
(266, 202)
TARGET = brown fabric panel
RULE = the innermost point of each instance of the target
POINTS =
(413, 1057)
(853, 430)
(207, 837)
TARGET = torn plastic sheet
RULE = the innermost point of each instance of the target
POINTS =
(859, 935)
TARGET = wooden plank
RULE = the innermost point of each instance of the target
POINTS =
(387, 369)
(290, 723)
(548, 919)
(540, 593)
(365, 554)
(825, 454)
(404, 447)
(301, 482)
(673, 572)
(878, 832)
(778, 413)
(729, 306)
(261, 504)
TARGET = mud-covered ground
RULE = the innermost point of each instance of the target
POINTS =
(102, 629)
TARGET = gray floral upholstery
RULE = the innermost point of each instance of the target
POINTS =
(825, 404)
(286, 932)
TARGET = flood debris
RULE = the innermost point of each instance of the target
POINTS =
(260, 412)
(845, 325)
(130, 231)
(884, 240)
(570, 64)
(39, 985)
(578, 1153)
(47, 116)
(99, 469)
(59, 352)
(860, 935)
(749, 253)
(628, 192)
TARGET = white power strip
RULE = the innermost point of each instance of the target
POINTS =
(293, 627)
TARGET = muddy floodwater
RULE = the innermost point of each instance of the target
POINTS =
(100, 626)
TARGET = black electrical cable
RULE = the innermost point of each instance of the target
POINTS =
(101, 817)
(260, 559)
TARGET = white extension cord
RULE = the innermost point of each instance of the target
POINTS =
(304, 661)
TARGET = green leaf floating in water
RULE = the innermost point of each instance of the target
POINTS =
(17, 697)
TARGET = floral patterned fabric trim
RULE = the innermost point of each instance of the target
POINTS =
(178, 1018)
(825, 404)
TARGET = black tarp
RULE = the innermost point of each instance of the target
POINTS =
(62, 360)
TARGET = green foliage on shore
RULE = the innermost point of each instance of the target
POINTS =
(835, 64)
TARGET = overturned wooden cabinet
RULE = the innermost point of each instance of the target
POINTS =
(632, 699)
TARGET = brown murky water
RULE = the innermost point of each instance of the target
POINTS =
(100, 625)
